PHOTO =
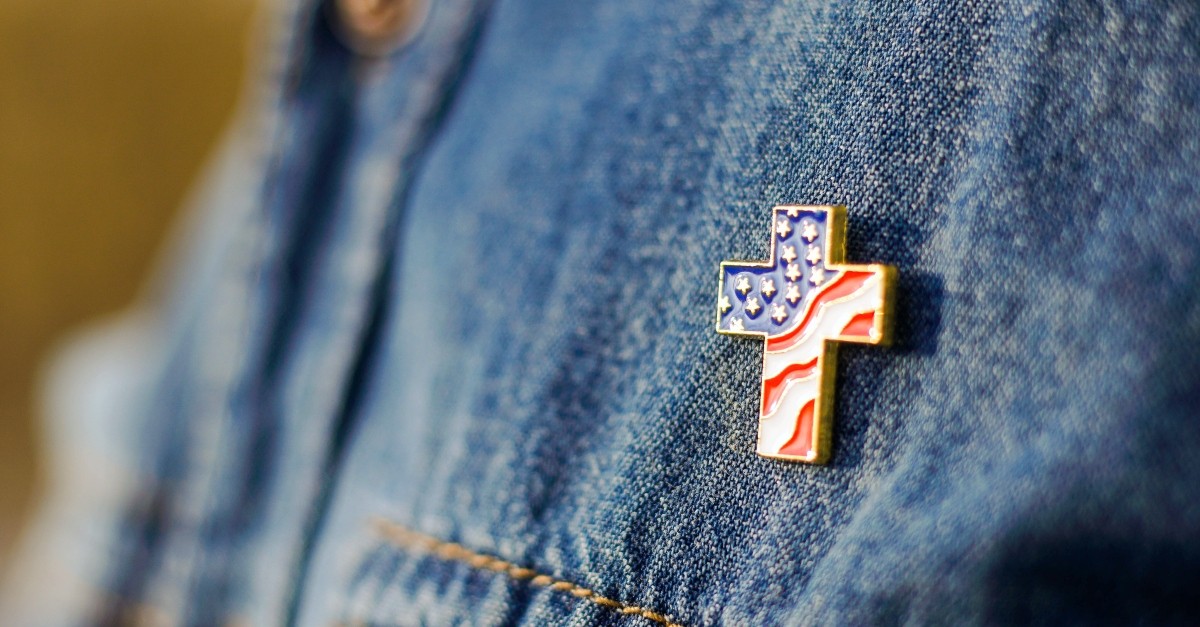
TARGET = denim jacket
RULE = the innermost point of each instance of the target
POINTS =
(439, 347)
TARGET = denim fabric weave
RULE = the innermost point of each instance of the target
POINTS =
(476, 299)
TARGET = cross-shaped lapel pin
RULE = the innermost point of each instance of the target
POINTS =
(801, 300)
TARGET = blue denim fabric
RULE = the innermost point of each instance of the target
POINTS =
(473, 291)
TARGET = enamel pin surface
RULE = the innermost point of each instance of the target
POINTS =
(801, 300)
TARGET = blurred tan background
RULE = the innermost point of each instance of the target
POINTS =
(107, 109)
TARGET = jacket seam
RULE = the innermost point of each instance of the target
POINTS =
(414, 541)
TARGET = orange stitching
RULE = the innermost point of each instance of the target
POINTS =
(406, 538)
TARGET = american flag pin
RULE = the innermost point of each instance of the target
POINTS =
(802, 300)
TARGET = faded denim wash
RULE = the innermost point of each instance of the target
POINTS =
(468, 289)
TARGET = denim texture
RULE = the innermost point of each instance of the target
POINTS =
(472, 288)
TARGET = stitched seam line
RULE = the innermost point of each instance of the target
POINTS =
(407, 539)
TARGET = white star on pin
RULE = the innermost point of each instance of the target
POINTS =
(736, 325)
(793, 211)
(789, 254)
(814, 255)
(767, 287)
(752, 305)
(817, 277)
(793, 293)
(809, 231)
(723, 303)
(794, 272)
(779, 313)
(783, 227)
(742, 285)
